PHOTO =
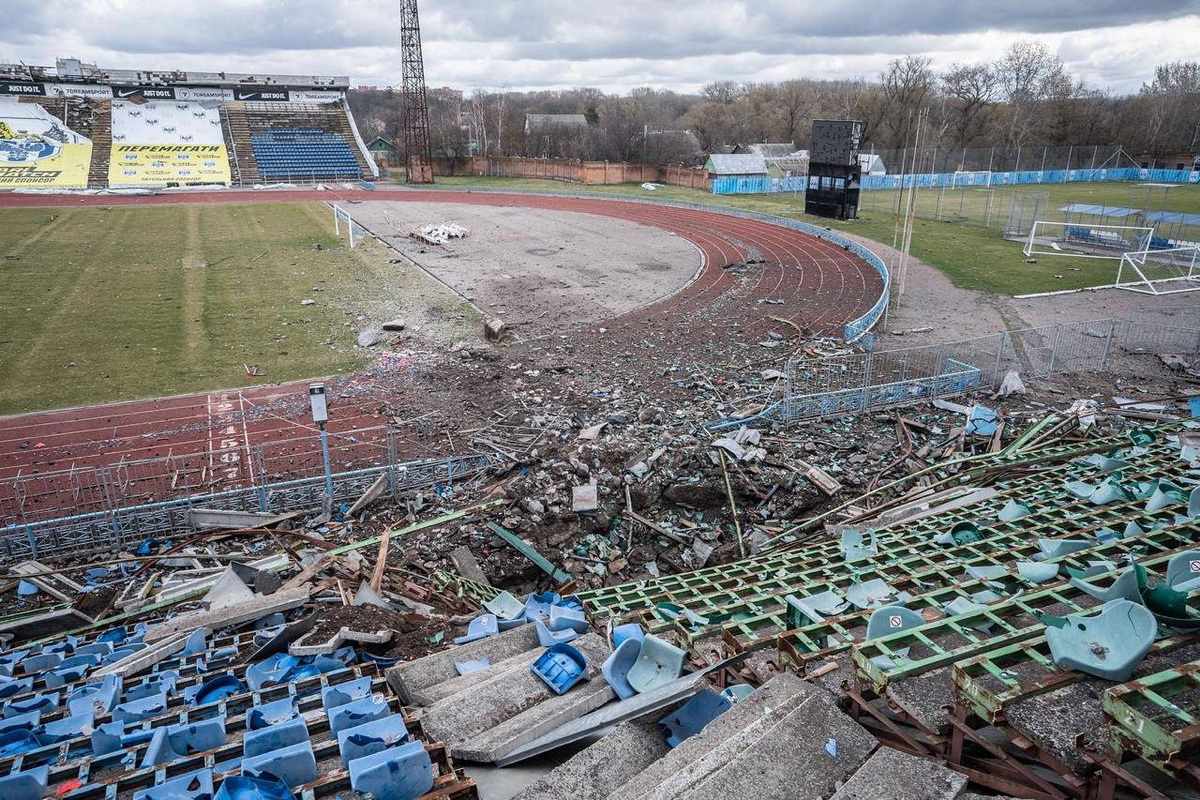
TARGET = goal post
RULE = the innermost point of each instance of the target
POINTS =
(965, 179)
(1085, 240)
(1165, 271)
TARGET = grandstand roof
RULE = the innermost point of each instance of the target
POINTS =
(1177, 217)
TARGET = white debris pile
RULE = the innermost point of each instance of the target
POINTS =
(440, 232)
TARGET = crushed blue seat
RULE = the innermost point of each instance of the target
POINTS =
(271, 713)
(11, 687)
(505, 607)
(65, 728)
(276, 737)
(371, 737)
(71, 670)
(21, 722)
(480, 628)
(196, 785)
(107, 738)
(398, 773)
(162, 683)
(630, 630)
(538, 606)
(565, 618)
(28, 785)
(113, 636)
(14, 743)
(39, 702)
(560, 667)
(342, 693)
(214, 690)
(37, 664)
(140, 709)
(294, 765)
(691, 718)
(173, 742)
(270, 671)
(241, 787)
(94, 649)
(616, 667)
(356, 713)
(125, 650)
(549, 638)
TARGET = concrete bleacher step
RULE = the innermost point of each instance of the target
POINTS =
(590, 774)
(415, 682)
(893, 775)
(473, 722)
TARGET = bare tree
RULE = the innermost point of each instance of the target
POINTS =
(1028, 73)
(970, 92)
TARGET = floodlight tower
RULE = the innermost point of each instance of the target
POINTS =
(414, 107)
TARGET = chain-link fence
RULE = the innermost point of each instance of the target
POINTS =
(1007, 209)
(1004, 159)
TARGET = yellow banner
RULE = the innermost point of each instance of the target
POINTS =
(57, 166)
(161, 164)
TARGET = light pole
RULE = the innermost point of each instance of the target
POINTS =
(320, 415)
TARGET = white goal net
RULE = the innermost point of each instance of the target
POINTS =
(1084, 240)
(964, 179)
(1161, 271)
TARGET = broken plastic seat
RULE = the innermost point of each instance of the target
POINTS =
(560, 667)
(196, 785)
(170, 743)
(538, 605)
(1057, 548)
(659, 662)
(37, 664)
(692, 717)
(214, 690)
(241, 787)
(1108, 645)
(549, 638)
(271, 671)
(505, 606)
(630, 630)
(567, 618)
(65, 728)
(15, 686)
(28, 785)
(1037, 571)
(467, 667)
(855, 546)
(100, 649)
(15, 743)
(163, 683)
(140, 709)
(39, 702)
(196, 643)
(892, 619)
(398, 773)
(1183, 571)
(356, 713)
(372, 737)
(276, 737)
(1106, 463)
(615, 668)
(341, 693)
(21, 722)
(272, 713)
(737, 692)
(1166, 494)
(813, 609)
(480, 628)
(1169, 606)
(295, 765)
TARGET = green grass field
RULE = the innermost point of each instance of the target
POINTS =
(103, 304)
(971, 255)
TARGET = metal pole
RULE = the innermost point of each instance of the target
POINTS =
(325, 460)
(999, 355)
(1108, 340)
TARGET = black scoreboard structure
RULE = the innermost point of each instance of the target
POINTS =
(834, 172)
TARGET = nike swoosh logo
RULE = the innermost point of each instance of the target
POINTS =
(125, 93)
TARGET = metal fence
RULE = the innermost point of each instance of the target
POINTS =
(845, 384)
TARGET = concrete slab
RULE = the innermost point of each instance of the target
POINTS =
(724, 736)
(892, 775)
(924, 695)
(803, 757)
(591, 774)
(458, 719)
(464, 561)
(410, 678)
(557, 710)
(468, 682)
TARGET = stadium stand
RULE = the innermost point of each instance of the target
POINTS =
(300, 141)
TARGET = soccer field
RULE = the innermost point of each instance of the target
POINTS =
(103, 304)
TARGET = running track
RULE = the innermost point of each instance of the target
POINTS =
(822, 286)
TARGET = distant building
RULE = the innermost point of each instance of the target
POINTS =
(383, 151)
(1183, 161)
(782, 157)
(871, 164)
(541, 124)
(736, 165)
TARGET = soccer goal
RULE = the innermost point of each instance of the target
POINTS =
(1084, 240)
(1165, 271)
(980, 179)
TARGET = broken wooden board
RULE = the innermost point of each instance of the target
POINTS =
(819, 477)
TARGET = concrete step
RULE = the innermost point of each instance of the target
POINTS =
(460, 718)
(464, 683)
(590, 774)
(790, 760)
(722, 738)
(892, 775)
(409, 679)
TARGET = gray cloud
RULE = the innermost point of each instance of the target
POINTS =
(614, 44)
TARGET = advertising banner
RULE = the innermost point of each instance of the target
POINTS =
(90, 91)
(37, 151)
(21, 88)
(148, 92)
(261, 95)
(163, 164)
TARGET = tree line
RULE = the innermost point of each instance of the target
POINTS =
(1024, 99)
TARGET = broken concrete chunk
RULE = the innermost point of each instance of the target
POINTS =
(394, 325)
(494, 329)
(583, 498)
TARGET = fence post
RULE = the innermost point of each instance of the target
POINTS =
(1108, 340)
(1054, 349)
(262, 478)
(393, 483)
(1000, 341)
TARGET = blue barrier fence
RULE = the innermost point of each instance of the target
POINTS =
(767, 185)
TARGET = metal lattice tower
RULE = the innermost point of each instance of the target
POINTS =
(414, 107)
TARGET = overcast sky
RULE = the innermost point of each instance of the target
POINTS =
(613, 45)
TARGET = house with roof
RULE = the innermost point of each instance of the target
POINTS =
(544, 124)
(736, 165)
